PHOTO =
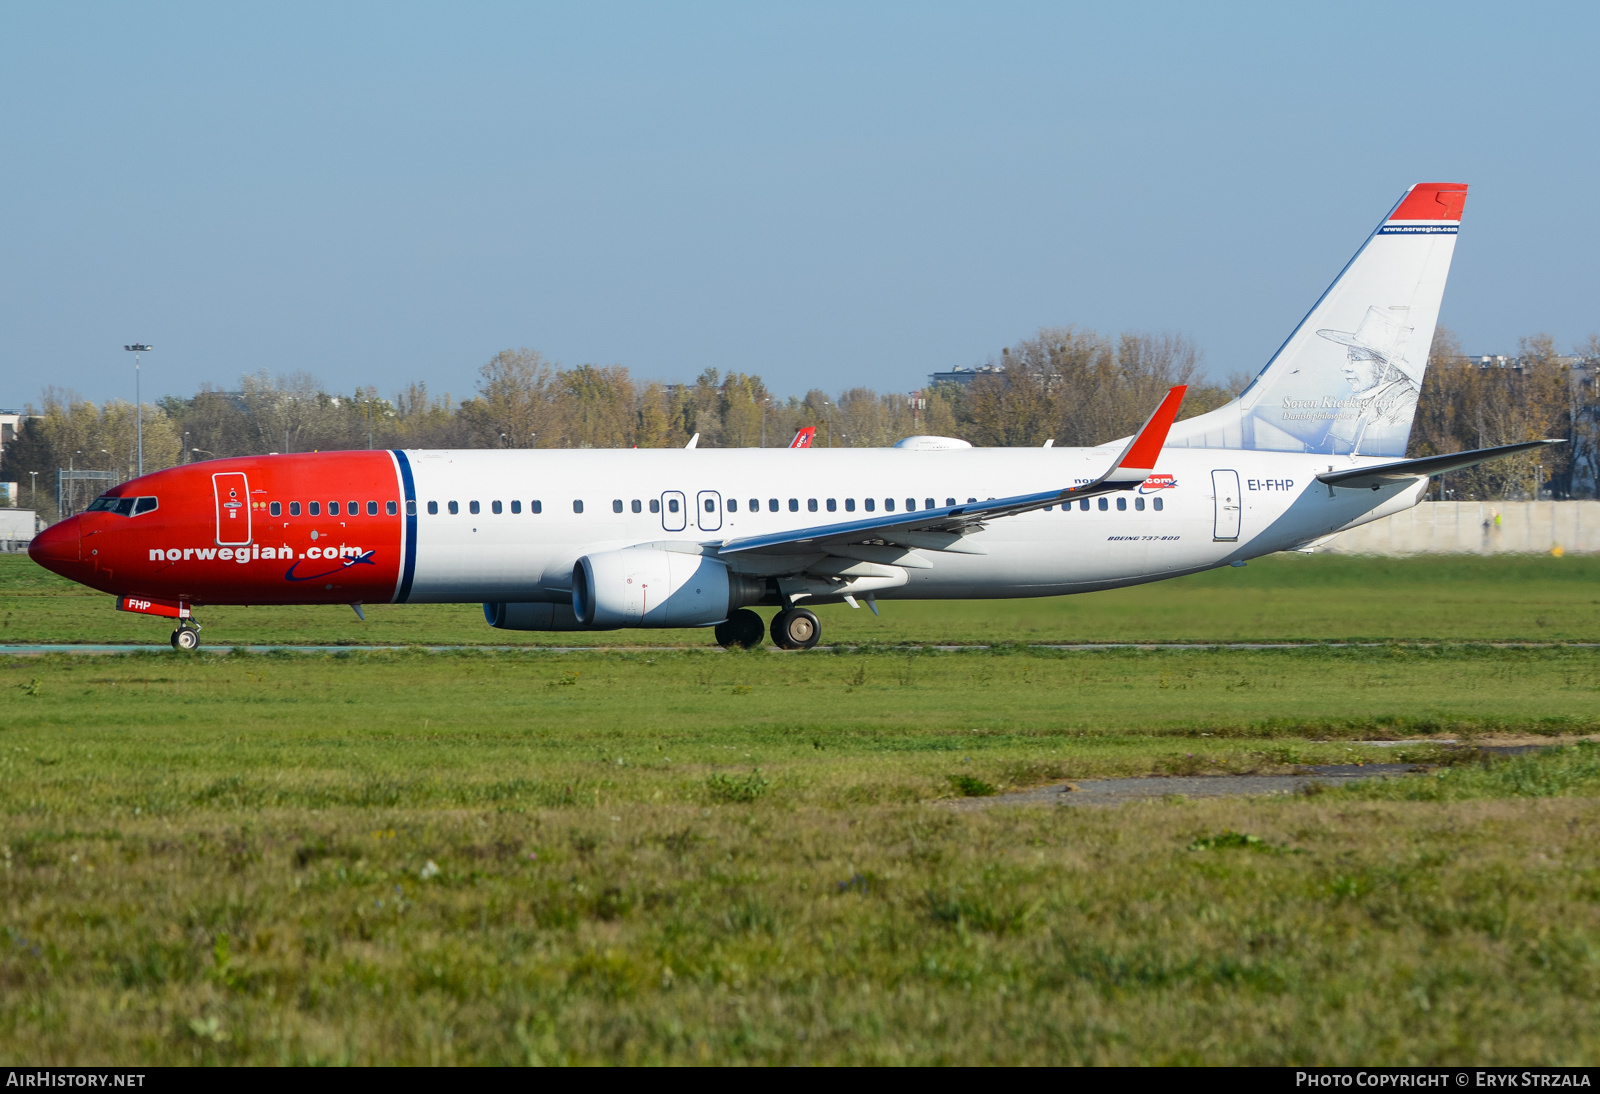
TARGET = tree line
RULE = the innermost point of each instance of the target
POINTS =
(1072, 385)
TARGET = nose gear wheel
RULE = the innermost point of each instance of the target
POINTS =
(187, 636)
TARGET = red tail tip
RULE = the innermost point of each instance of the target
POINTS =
(1432, 201)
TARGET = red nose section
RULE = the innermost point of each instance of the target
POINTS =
(56, 548)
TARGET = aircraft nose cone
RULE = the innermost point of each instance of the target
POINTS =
(56, 548)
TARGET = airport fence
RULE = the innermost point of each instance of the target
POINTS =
(1477, 528)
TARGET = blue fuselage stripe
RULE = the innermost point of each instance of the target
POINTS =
(411, 527)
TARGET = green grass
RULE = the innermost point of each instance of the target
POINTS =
(664, 856)
(1280, 598)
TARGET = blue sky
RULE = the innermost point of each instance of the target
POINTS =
(827, 195)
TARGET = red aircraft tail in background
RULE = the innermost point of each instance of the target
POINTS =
(804, 438)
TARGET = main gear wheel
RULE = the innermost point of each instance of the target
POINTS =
(796, 629)
(743, 629)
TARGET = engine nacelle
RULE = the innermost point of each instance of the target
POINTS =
(533, 617)
(645, 587)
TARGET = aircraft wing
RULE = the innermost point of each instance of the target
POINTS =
(1385, 474)
(942, 529)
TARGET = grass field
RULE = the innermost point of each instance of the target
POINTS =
(1281, 598)
(686, 856)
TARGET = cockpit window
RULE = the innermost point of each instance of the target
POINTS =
(127, 507)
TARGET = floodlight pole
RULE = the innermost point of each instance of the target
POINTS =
(138, 404)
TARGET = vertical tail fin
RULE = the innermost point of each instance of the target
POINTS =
(1347, 378)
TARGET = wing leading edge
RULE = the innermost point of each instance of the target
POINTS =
(941, 529)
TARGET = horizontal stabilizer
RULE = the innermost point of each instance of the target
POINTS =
(1362, 478)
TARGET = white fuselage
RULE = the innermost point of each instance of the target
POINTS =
(528, 556)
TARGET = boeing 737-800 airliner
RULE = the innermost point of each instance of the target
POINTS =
(598, 540)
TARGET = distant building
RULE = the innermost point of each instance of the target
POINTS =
(10, 422)
(963, 376)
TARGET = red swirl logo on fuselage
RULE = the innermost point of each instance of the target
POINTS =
(1157, 482)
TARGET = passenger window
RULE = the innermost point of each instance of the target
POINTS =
(794, 505)
(616, 505)
(711, 506)
(1083, 504)
(929, 504)
(672, 505)
(411, 508)
(949, 501)
(354, 509)
(1104, 505)
(294, 509)
(1122, 504)
(811, 505)
(849, 505)
(911, 505)
(577, 506)
(636, 506)
(276, 509)
(772, 505)
(333, 508)
(433, 508)
(833, 505)
(389, 507)
(1138, 503)
(536, 506)
(494, 507)
(472, 507)
(755, 505)
(870, 504)
(315, 509)
(971, 500)
(733, 505)
(516, 506)
(454, 508)
(372, 508)
(1157, 504)
(655, 505)
(888, 505)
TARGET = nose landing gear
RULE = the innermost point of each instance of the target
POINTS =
(187, 636)
(796, 629)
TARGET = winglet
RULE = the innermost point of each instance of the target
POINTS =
(1142, 451)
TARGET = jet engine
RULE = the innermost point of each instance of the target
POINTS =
(645, 587)
(533, 617)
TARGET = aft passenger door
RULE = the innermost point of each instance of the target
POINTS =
(1225, 487)
(708, 510)
(674, 513)
(232, 491)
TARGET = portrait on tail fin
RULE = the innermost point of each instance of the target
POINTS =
(1384, 381)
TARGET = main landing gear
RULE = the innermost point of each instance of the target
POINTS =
(792, 629)
(743, 629)
(795, 629)
(187, 636)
